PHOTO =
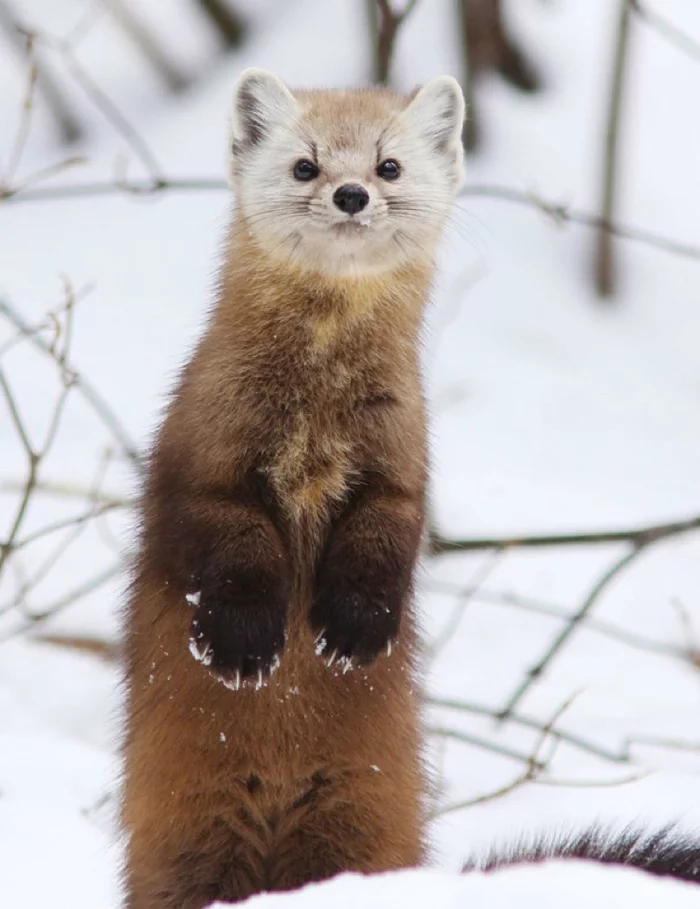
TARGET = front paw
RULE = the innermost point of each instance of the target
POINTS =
(239, 643)
(353, 625)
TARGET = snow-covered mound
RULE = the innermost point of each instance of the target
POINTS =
(556, 885)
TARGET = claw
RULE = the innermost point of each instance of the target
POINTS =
(388, 647)
(201, 654)
(332, 658)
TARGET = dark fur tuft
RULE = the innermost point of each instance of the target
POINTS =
(667, 852)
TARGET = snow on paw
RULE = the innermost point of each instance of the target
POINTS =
(239, 644)
(354, 627)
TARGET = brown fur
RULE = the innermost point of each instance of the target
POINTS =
(287, 483)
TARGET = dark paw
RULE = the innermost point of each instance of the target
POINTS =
(239, 643)
(353, 626)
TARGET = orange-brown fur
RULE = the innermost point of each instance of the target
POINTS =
(287, 484)
(336, 754)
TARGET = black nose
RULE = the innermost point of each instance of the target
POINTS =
(351, 198)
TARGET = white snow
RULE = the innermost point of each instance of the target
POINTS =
(553, 886)
(551, 412)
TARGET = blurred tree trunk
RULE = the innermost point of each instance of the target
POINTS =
(605, 259)
(149, 45)
(488, 45)
(384, 24)
(67, 122)
(226, 20)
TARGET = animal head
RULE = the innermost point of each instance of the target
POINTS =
(349, 182)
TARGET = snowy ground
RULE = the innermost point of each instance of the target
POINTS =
(551, 413)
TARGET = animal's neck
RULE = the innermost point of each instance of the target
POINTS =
(265, 296)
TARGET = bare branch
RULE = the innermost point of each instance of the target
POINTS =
(529, 722)
(639, 536)
(33, 459)
(386, 23)
(467, 739)
(558, 213)
(463, 598)
(73, 596)
(105, 105)
(670, 32)
(136, 188)
(67, 122)
(149, 45)
(82, 385)
(94, 646)
(535, 766)
(562, 214)
(576, 619)
(25, 119)
(528, 604)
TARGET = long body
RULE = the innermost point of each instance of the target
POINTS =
(283, 458)
(272, 719)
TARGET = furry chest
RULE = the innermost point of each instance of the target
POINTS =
(310, 469)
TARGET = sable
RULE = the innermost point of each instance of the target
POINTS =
(272, 720)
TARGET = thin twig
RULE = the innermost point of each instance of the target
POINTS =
(84, 643)
(468, 739)
(106, 106)
(33, 459)
(73, 596)
(132, 187)
(62, 112)
(593, 784)
(60, 490)
(640, 536)
(468, 593)
(38, 574)
(528, 604)
(670, 32)
(574, 622)
(558, 213)
(66, 523)
(528, 722)
(660, 742)
(91, 395)
(535, 766)
(25, 119)
(562, 214)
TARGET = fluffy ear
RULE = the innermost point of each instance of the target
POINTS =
(260, 101)
(436, 110)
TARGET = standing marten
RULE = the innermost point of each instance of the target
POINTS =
(283, 512)
(282, 518)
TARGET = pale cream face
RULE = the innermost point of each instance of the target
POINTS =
(312, 180)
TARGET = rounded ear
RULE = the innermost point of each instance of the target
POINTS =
(436, 111)
(260, 101)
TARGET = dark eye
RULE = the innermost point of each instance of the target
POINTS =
(305, 170)
(389, 170)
